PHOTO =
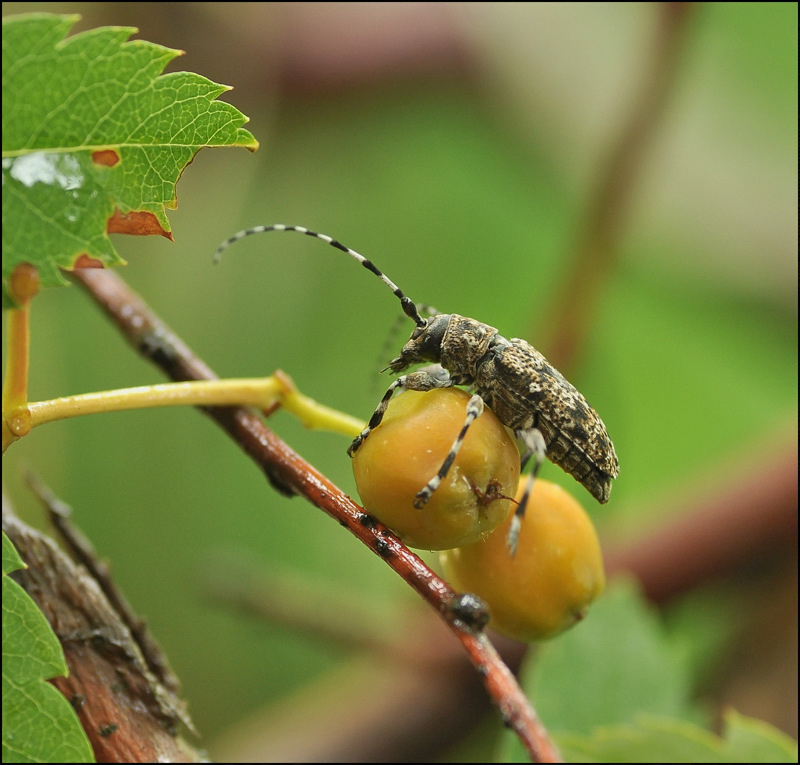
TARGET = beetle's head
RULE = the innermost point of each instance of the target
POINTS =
(424, 345)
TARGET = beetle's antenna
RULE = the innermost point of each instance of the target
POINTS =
(409, 308)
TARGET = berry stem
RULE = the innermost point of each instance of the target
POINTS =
(265, 393)
(23, 284)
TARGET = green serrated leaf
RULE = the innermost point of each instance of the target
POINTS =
(91, 130)
(39, 725)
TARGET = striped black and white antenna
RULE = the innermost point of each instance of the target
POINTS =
(408, 305)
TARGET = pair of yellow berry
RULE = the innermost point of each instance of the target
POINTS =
(558, 567)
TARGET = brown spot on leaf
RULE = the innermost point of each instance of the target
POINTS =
(84, 261)
(136, 222)
(107, 157)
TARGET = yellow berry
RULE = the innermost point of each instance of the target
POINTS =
(407, 449)
(548, 585)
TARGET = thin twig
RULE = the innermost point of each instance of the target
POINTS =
(290, 474)
(596, 245)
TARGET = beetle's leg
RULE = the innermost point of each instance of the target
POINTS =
(474, 410)
(423, 379)
(535, 447)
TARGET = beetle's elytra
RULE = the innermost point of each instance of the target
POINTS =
(528, 395)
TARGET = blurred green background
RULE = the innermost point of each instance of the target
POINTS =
(457, 146)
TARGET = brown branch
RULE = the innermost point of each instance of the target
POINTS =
(128, 715)
(664, 558)
(738, 522)
(289, 473)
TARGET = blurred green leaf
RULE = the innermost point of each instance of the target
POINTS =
(614, 689)
(90, 129)
(654, 739)
(701, 626)
(607, 671)
(649, 739)
(39, 725)
(751, 740)
(611, 667)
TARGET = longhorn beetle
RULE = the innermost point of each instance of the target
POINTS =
(528, 395)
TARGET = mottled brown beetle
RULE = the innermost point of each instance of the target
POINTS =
(528, 395)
